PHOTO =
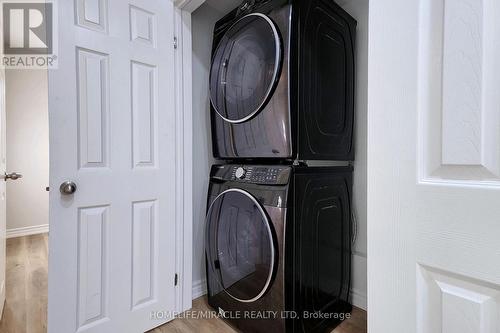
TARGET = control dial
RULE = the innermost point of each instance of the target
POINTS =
(240, 173)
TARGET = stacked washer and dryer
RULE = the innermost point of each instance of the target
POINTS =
(278, 232)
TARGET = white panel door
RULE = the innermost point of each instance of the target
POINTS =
(112, 133)
(434, 167)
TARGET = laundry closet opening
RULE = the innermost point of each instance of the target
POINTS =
(204, 19)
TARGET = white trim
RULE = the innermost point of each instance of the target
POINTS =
(26, 231)
(199, 288)
(2, 298)
(358, 280)
(358, 299)
(184, 152)
(188, 6)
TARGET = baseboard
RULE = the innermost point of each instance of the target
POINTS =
(26, 231)
(2, 299)
(358, 281)
(199, 288)
(358, 299)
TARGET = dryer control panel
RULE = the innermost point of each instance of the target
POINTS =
(255, 174)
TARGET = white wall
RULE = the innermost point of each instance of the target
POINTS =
(203, 20)
(359, 10)
(27, 150)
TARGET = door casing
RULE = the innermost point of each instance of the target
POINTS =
(184, 149)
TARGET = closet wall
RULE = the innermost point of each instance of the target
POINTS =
(359, 10)
(203, 20)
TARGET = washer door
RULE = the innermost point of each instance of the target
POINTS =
(245, 68)
(240, 245)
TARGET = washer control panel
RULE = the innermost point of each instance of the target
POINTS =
(255, 174)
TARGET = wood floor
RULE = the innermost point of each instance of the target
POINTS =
(25, 308)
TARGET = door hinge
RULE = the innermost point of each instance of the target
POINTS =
(175, 43)
(176, 279)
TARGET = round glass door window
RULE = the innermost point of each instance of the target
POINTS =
(245, 68)
(240, 246)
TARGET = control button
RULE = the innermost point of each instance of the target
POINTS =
(240, 173)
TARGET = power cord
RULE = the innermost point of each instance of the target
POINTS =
(354, 222)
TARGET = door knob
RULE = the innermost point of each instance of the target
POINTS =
(67, 188)
(12, 176)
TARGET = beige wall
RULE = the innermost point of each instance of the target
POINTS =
(27, 148)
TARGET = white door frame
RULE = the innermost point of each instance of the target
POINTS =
(184, 150)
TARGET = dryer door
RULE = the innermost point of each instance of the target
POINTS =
(240, 246)
(245, 68)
